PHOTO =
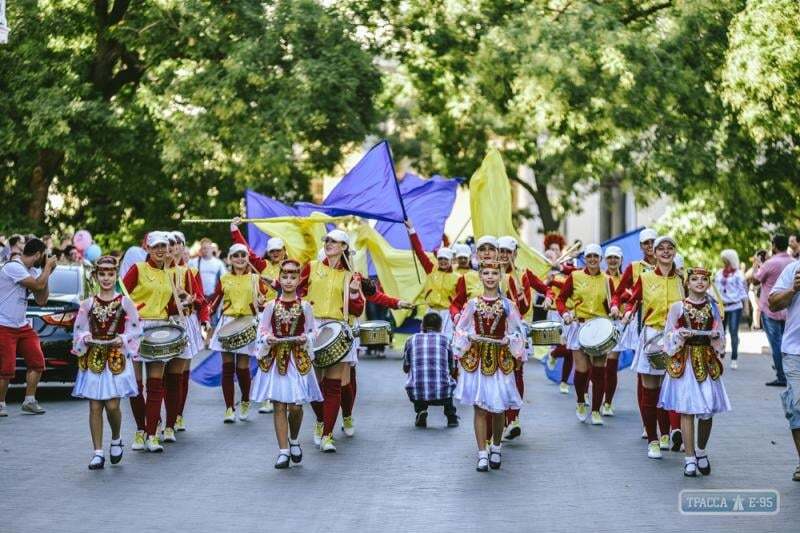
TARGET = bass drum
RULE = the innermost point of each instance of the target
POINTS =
(334, 341)
(545, 333)
(238, 333)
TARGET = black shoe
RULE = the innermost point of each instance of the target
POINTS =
(295, 458)
(422, 419)
(705, 470)
(115, 458)
(776, 383)
(452, 421)
(494, 464)
(97, 466)
(280, 465)
(677, 440)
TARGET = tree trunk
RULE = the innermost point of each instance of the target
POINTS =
(543, 205)
(48, 162)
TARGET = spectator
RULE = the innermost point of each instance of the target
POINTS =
(16, 243)
(428, 362)
(733, 290)
(766, 275)
(783, 297)
(17, 278)
(210, 268)
(794, 245)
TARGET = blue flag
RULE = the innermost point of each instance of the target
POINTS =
(628, 242)
(260, 206)
(369, 190)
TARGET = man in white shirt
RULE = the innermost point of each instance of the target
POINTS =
(210, 268)
(785, 294)
(18, 277)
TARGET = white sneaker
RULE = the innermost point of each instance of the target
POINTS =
(348, 427)
(244, 410)
(597, 418)
(327, 444)
(138, 441)
(32, 408)
(318, 426)
(581, 412)
(3, 411)
(654, 450)
(153, 445)
(734, 365)
(607, 409)
(513, 430)
(230, 416)
(563, 388)
(169, 435)
(266, 407)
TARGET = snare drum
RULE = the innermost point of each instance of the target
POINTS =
(334, 341)
(598, 336)
(545, 333)
(656, 355)
(162, 343)
(375, 333)
(237, 333)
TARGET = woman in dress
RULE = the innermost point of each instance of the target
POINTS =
(107, 332)
(285, 351)
(694, 338)
(487, 340)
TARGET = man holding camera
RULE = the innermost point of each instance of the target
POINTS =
(27, 273)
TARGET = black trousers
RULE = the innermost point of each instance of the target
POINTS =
(422, 405)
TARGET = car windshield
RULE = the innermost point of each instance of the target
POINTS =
(65, 281)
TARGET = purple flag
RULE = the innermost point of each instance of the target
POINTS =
(369, 190)
(260, 206)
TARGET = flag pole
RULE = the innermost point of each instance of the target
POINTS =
(402, 207)
(469, 219)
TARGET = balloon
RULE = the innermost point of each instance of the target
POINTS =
(92, 253)
(82, 240)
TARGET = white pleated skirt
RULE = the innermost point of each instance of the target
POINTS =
(494, 393)
(570, 335)
(630, 337)
(292, 388)
(105, 385)
(195, 336)
(687, 396)
(249, 349)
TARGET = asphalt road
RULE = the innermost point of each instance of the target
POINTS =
(561, 475)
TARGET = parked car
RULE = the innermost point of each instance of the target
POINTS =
(69, 284)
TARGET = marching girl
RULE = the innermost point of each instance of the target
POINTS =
(149, 285)
(630, 335)
(337, 293)
(613, 259)
(191, 312)
(241, 294)
(654, 292)
(488, 335)
(695, 341)
(107, 332)
(440, 282)
(268, 265)
(589, 291)
(518, 288)
(555, 280)
(285, 375)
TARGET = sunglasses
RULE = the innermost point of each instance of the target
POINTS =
(331, 241)
(239, 255)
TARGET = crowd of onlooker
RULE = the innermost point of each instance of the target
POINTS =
(66, 253)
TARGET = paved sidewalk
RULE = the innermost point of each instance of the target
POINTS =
(559, 476)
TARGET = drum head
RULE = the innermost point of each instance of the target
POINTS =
(327, 333)
(655, 345)
(375, 324)
(163, 334)
(596, 332)
(236, 325)
(544, 324)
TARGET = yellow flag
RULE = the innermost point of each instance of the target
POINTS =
(395, 268)
(490, 204)
(302, 235)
